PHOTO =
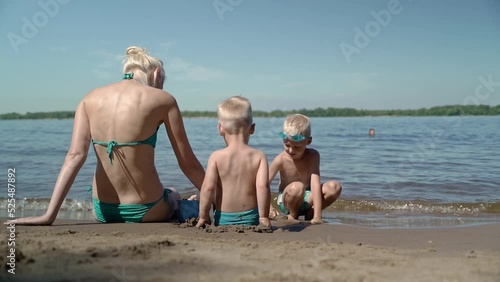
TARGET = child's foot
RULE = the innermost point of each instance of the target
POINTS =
(292, 219)
(193, 197)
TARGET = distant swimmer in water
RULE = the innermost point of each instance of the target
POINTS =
(371, 132)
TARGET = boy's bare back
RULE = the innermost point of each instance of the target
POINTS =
(238, 175)
(240, 169)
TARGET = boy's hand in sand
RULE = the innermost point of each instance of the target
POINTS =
(316, 221)
(265, 225)
(202, 223)
(273, 213)
(264, 221)
(36, 220)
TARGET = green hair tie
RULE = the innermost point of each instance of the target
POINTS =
(129, 75)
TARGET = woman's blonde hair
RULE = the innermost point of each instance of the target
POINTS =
(235, 113)
(141, 64)
(297, 124)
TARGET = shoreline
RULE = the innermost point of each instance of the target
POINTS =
(380, 220)
(383, 215)
(78, 249)
(270, 117)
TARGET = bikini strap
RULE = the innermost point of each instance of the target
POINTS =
(128, 75)
(111, 144)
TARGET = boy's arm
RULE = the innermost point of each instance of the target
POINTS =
(263, 191)
(207, 191)
(273, 170)
(316, 190)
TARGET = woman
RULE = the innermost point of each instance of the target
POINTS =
(121, 122)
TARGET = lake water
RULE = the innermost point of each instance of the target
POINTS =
(415, 172)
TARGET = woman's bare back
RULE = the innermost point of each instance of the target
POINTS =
(127, 111)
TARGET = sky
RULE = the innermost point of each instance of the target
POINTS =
(281, 54)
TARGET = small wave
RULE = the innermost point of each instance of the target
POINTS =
(342, 205)
(421, 207)
(41, 204)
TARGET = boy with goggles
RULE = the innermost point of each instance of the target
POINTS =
(300, 189)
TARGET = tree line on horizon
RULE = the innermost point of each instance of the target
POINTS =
(453, 110)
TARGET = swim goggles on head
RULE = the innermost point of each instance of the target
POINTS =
(296, 138)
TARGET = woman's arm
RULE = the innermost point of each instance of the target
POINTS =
(188, 162)
(75, 158)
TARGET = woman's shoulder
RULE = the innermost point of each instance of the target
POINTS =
(122, 87)
(101, 89)
(164, 98)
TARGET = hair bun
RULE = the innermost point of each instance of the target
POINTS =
(134, 50)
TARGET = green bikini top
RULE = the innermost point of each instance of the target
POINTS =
(111, 144)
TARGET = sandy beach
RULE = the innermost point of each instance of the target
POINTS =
(86, 251)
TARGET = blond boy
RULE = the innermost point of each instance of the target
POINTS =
(300, 189)
(237, 176)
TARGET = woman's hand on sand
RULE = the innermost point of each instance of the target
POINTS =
(35, 220)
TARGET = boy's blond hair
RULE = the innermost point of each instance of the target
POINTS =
(297, 124)
(235, 113)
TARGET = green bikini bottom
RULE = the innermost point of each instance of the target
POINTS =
(114, 213)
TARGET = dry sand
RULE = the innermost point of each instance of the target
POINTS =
(87, 251)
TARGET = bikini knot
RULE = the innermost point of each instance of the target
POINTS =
(109, 149)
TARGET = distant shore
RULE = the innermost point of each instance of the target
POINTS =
(452, 110)
(73, 250)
